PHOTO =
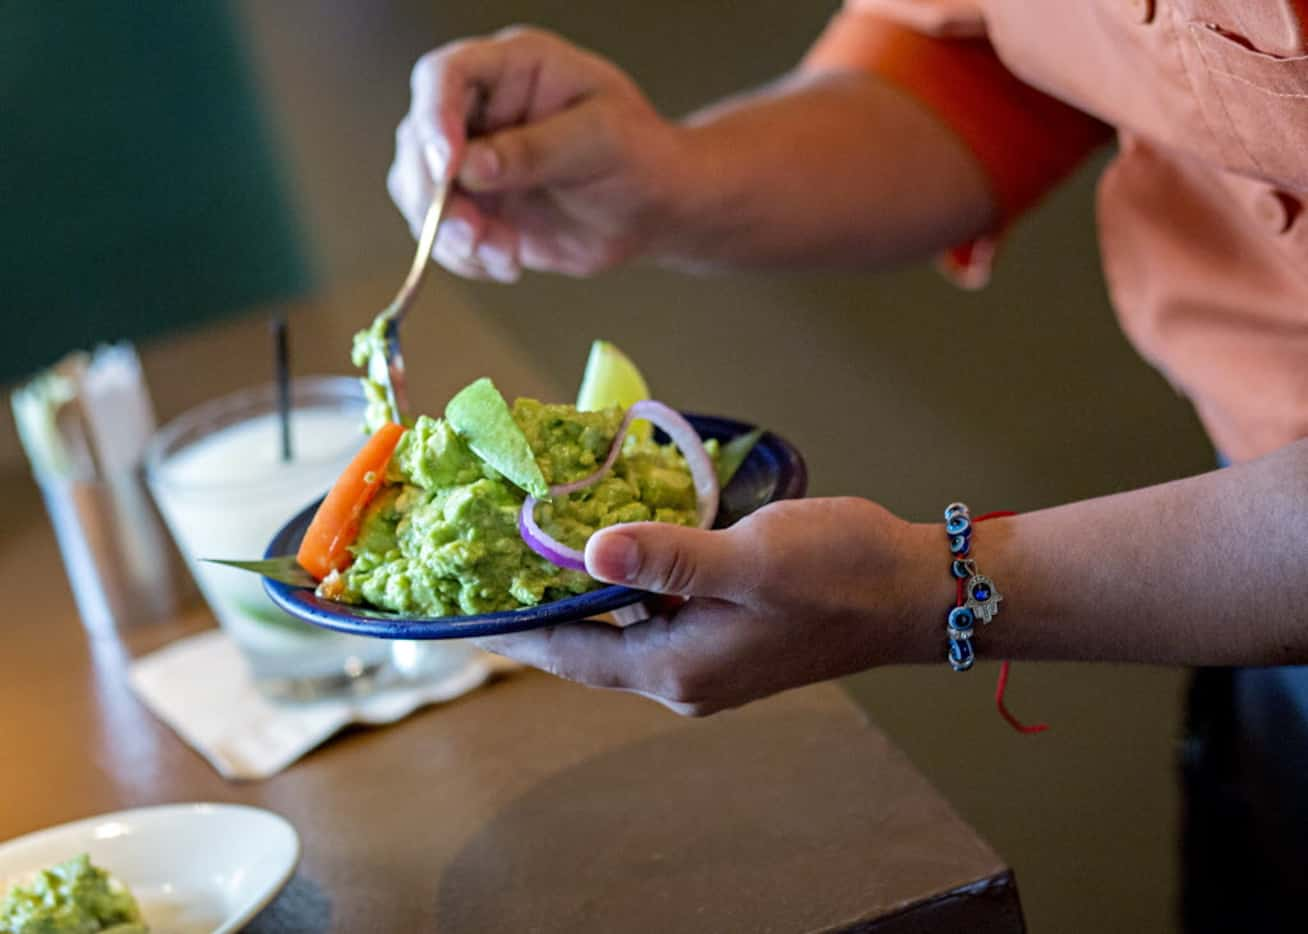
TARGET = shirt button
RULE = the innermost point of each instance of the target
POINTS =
(1141, 10)
(1276, 210)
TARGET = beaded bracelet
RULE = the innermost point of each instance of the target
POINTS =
(977, 596)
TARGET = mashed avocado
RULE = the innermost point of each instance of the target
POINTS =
(369, 353)
(441, 539)
(71, 898)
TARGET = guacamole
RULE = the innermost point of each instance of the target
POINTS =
(441, 538)
(369, 353)
(71, 898)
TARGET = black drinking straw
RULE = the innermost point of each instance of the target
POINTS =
(282, 364)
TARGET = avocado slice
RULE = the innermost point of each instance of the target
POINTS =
(480, 415)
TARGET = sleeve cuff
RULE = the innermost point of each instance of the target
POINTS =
(1025, 140)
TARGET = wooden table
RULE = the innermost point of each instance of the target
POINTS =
(531, 804)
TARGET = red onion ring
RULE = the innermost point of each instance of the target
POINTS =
(545, 545)
(681, 433)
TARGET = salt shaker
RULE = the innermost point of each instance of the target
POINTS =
(84, 424)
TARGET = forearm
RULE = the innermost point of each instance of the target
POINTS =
(1203, 571)
(830, 169)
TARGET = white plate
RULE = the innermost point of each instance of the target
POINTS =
(194, 868)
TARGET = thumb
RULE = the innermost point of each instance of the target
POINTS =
(571, 146)
(669, 559)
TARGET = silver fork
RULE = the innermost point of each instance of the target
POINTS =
(394, 313)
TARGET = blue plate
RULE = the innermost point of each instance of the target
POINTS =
(774, 470)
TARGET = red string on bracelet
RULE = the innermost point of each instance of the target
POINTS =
(1006, 666)
(1000, 687)
(997, 514)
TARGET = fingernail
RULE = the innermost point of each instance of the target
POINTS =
(497, 263)
(459, 235)
(482, 164)
(614, 557)
(437, 154)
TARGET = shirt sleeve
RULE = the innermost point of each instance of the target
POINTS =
(1025, 140)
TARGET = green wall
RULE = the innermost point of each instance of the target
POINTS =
(139, 187)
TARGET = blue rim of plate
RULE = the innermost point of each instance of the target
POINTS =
(774, 470)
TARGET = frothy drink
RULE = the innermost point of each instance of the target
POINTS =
(224, 491)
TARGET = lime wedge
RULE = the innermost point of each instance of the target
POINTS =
(733, 454)
(481, 416)
(612, 379)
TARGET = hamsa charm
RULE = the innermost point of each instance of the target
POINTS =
(982, 597)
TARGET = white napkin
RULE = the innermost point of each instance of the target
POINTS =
(202, 688)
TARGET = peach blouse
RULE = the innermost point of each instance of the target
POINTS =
(1200, 215)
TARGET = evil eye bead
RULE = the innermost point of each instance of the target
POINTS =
(961, 568)
(961, 620)
(958, 524)
(961, 655)
(958, 544)
(956, 509)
